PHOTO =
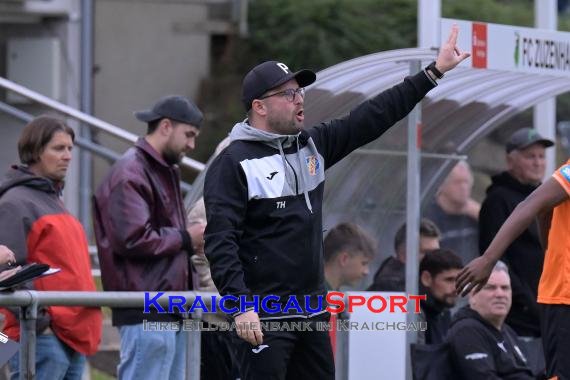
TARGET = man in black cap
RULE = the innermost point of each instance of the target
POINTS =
(264, 196)
(143, 240)
(526, 165)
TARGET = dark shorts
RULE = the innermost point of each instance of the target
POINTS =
(555, 326)
(288, 355)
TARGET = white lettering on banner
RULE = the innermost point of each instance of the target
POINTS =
(283, 67)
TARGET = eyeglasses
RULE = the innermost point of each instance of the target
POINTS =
(289, 94)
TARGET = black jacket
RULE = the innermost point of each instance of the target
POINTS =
(437, 315)
(479, 351)
(264, 195)
(525, 256)
(390, 277)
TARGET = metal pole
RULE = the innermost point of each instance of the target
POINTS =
(429, 15)
(81, 116)
(342, 347)
(88, 145)
(28, 317)
(85, 159)
(243, 25)
(194, 346)
(544, 115)
(412, 217)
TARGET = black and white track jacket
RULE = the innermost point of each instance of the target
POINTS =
(264, 196)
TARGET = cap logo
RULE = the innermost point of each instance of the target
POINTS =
(531, 134)
(283, 67)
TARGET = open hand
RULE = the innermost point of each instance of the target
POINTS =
(196, 231)
(474, 276)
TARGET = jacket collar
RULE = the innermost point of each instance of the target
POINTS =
(19, 175)
(143, 145)
(505, 179)
(431, 305)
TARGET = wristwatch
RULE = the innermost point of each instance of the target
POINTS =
(431, 67)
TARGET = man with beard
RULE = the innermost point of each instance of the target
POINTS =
(438, 271)
(526, 165)
(264, 196)
(143, 240)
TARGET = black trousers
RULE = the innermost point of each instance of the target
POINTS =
(218, 356)
(555, 325)
(288, 355)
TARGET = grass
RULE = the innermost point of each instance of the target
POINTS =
(98, 375)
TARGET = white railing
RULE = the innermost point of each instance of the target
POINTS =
(85, 118)
(30, 300)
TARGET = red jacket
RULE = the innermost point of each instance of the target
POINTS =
(37, 227)
(140, 226)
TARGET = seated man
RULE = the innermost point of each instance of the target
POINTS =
(347, 249)
(482, 346)
(391, 276)
(438, 271)
(456, 213)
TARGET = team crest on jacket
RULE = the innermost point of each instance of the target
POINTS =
(313, 164)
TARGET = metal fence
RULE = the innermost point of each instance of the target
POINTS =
(29, 301)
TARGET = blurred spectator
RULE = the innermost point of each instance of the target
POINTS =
(456, 213)
(391, 276)
(143, 239)
(525, 256)
(218, 358)
(348, 250)
(482, 346)
(36, 226)
(438, 271)
(7, 258)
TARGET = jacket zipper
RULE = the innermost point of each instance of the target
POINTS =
(295, 174)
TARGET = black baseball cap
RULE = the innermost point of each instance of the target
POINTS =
(268, 75)
(175, 107)
(526, 137)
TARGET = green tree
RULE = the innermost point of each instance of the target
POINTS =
(321, 33)
(511, 12)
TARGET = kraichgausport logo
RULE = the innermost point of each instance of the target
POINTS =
(335, 303)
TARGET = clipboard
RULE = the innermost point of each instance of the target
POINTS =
(27, 273)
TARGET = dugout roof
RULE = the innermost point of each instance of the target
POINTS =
(369, 186)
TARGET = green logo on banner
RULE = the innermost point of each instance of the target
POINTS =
(517, 44)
